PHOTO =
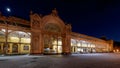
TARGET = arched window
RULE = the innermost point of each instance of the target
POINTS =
(52, 27)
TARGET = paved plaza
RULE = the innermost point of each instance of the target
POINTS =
(96, 60)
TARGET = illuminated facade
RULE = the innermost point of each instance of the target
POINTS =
(45, 35)
(15, 36)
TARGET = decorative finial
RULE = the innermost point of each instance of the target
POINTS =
(54, 12)
(0, 14)
(40, 15)
(31, 12)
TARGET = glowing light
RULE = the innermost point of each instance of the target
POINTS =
(29, 33)
(84, 44)
(3, 30)
(55, 42)
(21, 32)
(78, 44)
(8, 9)
(83, 41)
(59, 43)
(89, 45)
(78, 49)
(9, 30)
(113, 50)
(117, 50)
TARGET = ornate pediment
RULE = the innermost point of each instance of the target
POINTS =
(54, 12)
(35, 20)
(35, 23)
(52, 27)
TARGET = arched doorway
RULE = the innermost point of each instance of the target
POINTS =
(52, 39)
(15, 48)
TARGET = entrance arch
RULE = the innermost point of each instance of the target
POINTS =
(52, 39)
(53, 35)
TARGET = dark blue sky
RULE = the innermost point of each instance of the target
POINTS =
(91, 17)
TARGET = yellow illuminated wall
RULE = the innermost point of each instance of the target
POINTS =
(22, 50)
(25, 40)
(13, 39)
(2, 39)
(22, 42)
(84, 44)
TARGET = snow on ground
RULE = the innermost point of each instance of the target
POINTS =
(94, 60)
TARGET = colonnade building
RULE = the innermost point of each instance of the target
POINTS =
(46, 35)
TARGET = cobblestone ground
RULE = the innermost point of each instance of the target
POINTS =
(97, 60)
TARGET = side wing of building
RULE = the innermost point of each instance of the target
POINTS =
(14, 35)
(81, 43)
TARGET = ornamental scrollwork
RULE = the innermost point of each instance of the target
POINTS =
(36, 23)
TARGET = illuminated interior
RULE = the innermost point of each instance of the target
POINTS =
(15, 42)
(52, 43)
(81, 46)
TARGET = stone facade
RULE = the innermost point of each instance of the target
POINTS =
(14, 35)
(49, 35)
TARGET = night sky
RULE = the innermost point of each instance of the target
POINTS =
(91, 17)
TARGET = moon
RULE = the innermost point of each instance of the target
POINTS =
(8, 9)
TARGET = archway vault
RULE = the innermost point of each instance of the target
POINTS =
(53, 20)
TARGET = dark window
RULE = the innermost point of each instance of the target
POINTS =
(26, 47)
(2, 22)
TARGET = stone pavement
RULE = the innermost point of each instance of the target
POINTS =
(97, 60)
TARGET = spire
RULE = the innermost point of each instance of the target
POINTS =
(31, 12)
(0, 14)
(54, 12)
